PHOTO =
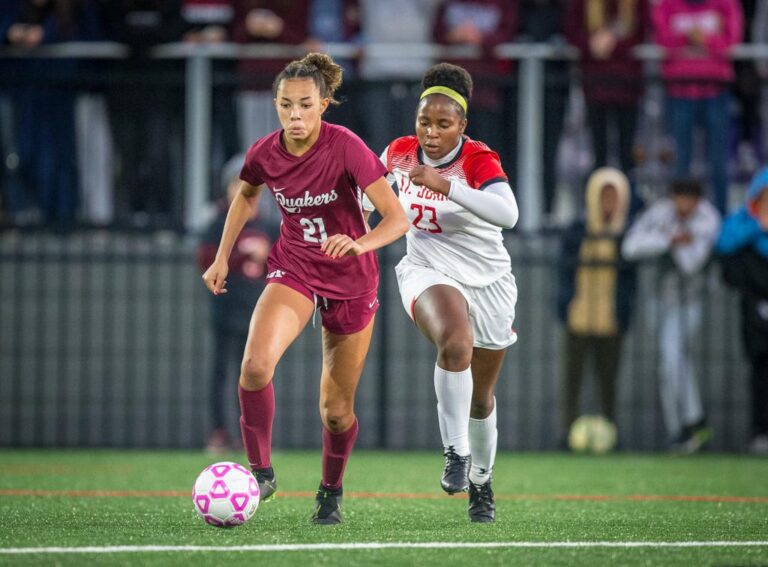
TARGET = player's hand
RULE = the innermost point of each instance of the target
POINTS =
(429, 177)
(602, 43)
(467, 33)
(341, 245)
(25, 35)
(215, 277)
(264, 23)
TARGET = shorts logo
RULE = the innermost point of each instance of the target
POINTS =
(275, 274)
(372, 303)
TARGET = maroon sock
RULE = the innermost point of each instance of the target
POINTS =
(257, 411)
(336, 450)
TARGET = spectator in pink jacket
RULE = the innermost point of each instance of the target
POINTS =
(697, 36)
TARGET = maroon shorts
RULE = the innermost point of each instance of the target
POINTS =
(339, 316)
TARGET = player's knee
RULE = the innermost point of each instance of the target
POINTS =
(481, 407)
(337, 418)
(255, 372)
(454, 352)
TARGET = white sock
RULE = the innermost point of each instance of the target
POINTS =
(483, 436)
(454, 398)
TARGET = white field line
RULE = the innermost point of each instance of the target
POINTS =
(374, 545)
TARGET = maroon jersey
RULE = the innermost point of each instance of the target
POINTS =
(319, 195)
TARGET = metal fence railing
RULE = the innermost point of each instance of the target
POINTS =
(197, 81)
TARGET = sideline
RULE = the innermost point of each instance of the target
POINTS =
(374, 545)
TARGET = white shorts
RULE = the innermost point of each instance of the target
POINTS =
(491, 308)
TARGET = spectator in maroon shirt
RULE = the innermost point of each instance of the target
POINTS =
(606, 32)
(268, 22)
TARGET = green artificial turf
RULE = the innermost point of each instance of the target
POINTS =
(100, 498)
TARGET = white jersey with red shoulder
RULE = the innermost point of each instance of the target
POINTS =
(443, 234)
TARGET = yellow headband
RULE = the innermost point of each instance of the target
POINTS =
(450, 93)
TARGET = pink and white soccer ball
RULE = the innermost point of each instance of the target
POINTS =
(225, 494)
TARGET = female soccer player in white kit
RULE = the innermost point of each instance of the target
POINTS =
(455, 280)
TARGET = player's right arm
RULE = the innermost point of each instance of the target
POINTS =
(368, 206)
(239, 212)
(392, 226)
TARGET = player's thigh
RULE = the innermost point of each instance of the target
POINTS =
(492, 313)
(278, 318)
(436, 303)
(343, 362)
(441, 313)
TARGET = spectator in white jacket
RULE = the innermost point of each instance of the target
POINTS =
(680, 230)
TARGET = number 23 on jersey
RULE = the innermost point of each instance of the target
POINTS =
(426, 218)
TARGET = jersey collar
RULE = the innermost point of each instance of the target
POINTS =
(447, 160)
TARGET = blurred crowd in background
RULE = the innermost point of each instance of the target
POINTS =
(101, 141)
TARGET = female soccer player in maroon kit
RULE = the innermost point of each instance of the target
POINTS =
(323, 259)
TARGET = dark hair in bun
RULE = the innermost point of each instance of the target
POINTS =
(319, 67)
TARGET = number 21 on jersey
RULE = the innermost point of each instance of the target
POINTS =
(426, 218)
(314, 229)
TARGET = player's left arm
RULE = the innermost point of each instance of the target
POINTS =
(494, 202)
(392, 226)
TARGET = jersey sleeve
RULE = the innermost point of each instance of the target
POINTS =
(361, 163)
(482, 168)
(384, 158)
(251, 173)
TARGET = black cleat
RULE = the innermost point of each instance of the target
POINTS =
(455, 474)
(267, 483)
(482, 507)
(328, 509)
